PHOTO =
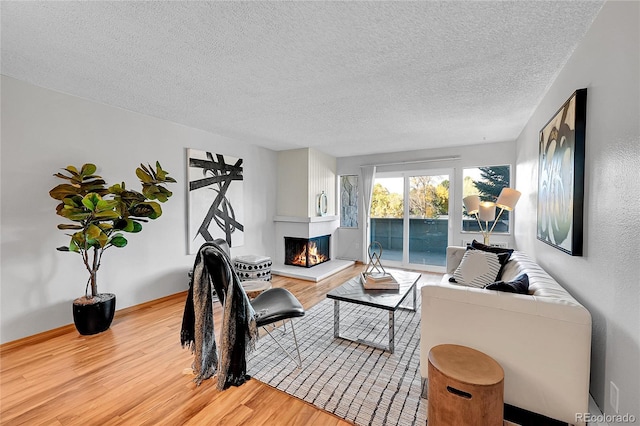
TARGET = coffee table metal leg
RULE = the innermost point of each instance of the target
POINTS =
(336, 330)
(336, 318)
(391, 331)
(413, 308)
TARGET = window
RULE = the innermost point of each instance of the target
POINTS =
(410, 217)
(486, 182)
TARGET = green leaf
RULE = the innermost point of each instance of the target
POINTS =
(143, 176)
(159, 172)
(148, 170)
(116, 189)
(74, 215)
(93, 232)
(74, 200)
(88, 169)
(152, 210)
(107, 215)
(96, 186)
(161, 197)
(63, 190)
(104, 205)
(72, 170)
(102, 239)
(69, 226)
(137, 227)
(105, 226)
(95, 198)
(128, 227)
(73, 246)
(118, 241)
(86, 201)
(61, 176)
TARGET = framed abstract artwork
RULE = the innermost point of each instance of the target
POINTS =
(349, 201)
(216, 198)
(561, 176)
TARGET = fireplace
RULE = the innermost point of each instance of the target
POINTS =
(306, 252)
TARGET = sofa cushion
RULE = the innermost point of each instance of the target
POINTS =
(491, 249)
(518, 285)
(477, 268)
(504, 254)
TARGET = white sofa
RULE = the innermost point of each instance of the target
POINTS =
(542, 340)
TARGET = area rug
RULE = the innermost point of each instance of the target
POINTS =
(357, 382)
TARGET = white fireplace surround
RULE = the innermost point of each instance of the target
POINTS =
(307, 227)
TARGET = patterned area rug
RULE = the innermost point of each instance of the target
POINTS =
(359, 383)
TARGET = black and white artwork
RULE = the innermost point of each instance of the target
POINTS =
(216, 198)
(561, 176)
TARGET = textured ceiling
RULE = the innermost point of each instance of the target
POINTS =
(343, 77)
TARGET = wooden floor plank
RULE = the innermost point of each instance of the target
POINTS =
(134, 373)
(137, 373)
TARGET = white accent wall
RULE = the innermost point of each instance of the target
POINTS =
(43, 131)
(606, 279)
(303, 174)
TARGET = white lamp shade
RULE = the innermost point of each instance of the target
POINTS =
(508, 199)
(472, 204)
(487, 211)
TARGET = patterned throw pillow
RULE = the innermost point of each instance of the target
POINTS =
(503, 254)
(477, 268)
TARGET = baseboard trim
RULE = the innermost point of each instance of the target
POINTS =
(50, 334)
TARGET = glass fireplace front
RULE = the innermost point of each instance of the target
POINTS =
(306, 252)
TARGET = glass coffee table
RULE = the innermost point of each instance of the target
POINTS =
(352, 291)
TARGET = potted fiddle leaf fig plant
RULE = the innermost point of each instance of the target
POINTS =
(100, 217)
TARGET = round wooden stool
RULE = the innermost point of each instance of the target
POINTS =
(466, 387)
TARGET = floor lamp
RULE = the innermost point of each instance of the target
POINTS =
(485, 211)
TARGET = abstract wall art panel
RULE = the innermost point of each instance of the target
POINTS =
(349, 201)
(216, 198)
(561, 176)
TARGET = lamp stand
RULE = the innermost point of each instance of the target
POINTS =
(485, 231)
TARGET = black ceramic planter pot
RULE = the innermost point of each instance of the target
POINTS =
(96, 317)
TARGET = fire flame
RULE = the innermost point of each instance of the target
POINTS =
(314, 256)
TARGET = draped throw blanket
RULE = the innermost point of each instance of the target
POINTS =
(212, 270)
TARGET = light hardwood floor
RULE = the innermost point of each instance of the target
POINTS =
(136, 373)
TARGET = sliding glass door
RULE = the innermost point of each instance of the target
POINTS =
(410, 218)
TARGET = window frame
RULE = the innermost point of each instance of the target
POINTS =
(509, 231)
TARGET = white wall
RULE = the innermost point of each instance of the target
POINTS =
(322, 178)
(43, 131)
(351, 242)
(305, 172)
(293, 172)
(606, 279)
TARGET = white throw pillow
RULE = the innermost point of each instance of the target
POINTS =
(477, 268)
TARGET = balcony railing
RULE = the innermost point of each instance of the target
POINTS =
(428, 238)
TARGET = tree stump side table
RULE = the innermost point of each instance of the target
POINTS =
(466, 387)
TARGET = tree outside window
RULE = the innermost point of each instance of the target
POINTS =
(486, 182)
(428, 198)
